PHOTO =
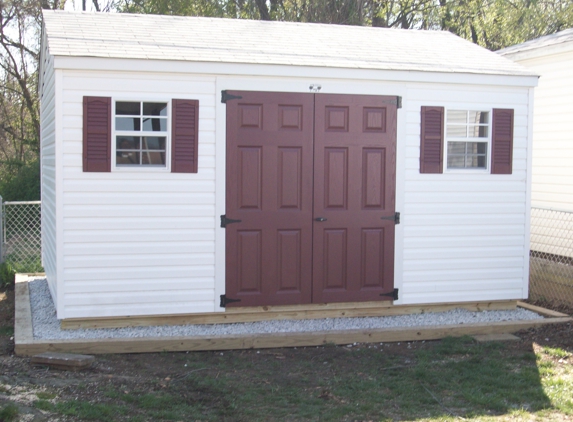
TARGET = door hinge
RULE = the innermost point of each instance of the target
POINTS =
(225, 300)
(225, 96)
(396, 101)
(393, 294)
(225, 221)
(395, 217)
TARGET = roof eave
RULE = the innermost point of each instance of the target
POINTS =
(537, 51)
(91, 63)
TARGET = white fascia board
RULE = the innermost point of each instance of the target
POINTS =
(59, 192)
(541, 51)
(44, 51)
(240, 69)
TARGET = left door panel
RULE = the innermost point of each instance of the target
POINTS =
(269, 189)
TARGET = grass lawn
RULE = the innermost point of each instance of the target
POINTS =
(453, 379)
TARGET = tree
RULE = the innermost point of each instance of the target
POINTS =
(492, 24)
(20, 27)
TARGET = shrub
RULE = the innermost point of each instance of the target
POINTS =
(21, 185)
(7, 274)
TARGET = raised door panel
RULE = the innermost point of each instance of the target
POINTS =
(269, 188)
(354, 189)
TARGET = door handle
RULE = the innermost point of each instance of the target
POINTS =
(321, 219)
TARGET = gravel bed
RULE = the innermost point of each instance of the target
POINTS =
(47, 326)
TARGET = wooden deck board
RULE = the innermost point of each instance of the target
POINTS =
(26, 345)
(252, 314)
(23, 331)
(262, 341)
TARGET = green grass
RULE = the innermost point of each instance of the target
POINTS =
(6, 331)
(79, 409)
(9, 413)
(44, 395)
(556, 352)
(443, 381)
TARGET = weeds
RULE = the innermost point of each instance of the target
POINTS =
(7, 274)
(9, 413)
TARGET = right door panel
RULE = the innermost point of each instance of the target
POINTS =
(354, 197)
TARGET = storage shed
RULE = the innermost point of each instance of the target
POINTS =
(551, 57)
(191, 165)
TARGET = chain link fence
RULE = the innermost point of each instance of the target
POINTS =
(22, 235)
(551, 256)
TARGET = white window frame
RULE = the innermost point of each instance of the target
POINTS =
(487, 140)
(115, 133)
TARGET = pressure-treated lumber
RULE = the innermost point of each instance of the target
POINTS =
(65, 361)
(26, 345)
(23, 331)
(541, 311)
(266, 313)
(262, 341)
(484, 338)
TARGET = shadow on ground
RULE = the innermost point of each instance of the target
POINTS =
(400, 381)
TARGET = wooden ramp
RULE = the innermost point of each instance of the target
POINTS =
(26, 345)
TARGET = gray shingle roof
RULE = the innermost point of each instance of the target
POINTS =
(545, 41)
(198, 39)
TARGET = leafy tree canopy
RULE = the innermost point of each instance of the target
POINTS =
(493, 24)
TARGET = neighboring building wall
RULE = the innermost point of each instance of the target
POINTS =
(144, 242)
(48, 168)
(552, 185)
(552, 178)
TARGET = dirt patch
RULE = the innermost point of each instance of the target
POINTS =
(390, 381)
(7, 322)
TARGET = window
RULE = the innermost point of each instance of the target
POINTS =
(140, 136)
(141, 133)
(468, 139)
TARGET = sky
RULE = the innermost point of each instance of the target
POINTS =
(77, 5)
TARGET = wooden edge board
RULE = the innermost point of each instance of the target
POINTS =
(23, 331)
(250, 341)
(540, 310)
(360, 305)
(304, 312)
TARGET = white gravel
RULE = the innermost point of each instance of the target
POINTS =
(47, 326)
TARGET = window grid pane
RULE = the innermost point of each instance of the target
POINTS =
(140, 150)
(463, 126)
(470, 155)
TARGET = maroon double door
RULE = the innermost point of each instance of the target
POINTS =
(311, 177)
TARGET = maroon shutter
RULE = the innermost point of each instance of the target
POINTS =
(432, 140)
(185, 131)
(502, 141)
(97, 134)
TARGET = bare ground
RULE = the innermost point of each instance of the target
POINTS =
(125, 386)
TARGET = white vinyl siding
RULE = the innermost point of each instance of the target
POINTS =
(552, 177)
(48, 108)
(137, 243)
(464, 233)
(140, 242)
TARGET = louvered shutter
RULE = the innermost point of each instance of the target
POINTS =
(184, 136)
(97, 134)
(502, 141)
(432, 140)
